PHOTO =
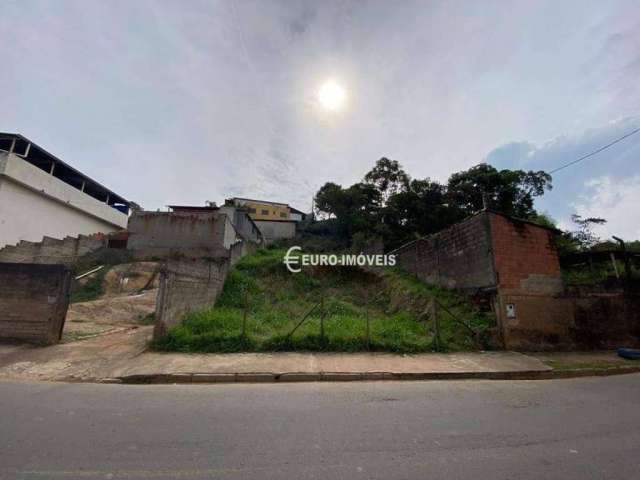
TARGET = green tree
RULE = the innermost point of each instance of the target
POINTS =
(388, 177)
(509, 191)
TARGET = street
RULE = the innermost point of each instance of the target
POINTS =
(566, 429)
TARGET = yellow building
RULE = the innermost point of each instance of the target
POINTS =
(263, 210)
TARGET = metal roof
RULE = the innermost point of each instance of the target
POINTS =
(39, 157)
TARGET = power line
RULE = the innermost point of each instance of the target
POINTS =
(596, 151)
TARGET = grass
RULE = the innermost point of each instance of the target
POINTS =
(92, 289)
(277, 300)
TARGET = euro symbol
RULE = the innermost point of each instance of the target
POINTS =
(292, 260)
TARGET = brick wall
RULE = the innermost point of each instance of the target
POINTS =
(566, 322)
(458, 257)
(33, 301)
(525, 257)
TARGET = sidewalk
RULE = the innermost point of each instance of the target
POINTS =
(121, 357)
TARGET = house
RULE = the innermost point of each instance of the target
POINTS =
(40, 195)
(275, 220)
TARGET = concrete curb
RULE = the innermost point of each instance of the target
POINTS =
(290, 377)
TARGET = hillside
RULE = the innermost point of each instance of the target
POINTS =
(270, 301)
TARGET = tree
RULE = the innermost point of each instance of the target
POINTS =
(584, 236)
(418, 211)
(509, 191)
(330, 199)
(356, 208)
(388, 177)
(389, 204)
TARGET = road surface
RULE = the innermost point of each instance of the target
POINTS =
(565, 429)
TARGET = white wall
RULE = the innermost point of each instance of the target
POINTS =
(34, 204)
(276, 230)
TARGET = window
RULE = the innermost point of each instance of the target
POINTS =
(265, 212)
(252, 210)
(283, 214)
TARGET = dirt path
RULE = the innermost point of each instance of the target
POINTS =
(108, 315)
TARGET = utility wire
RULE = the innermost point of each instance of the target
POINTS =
(596, 151)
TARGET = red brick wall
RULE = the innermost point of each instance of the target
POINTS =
(525, 257)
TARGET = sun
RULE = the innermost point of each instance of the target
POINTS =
(332, 96)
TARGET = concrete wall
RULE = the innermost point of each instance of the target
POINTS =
(459, 257)
(242, 223)
(33, 301)
(272, 231)
(51, 250)
(34, 204)
(187, 284)
(180, 230)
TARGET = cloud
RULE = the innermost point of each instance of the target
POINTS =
(597, 186)
(182, 102)
(616, 200)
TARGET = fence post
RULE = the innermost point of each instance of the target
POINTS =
(436, 321)
(322, 317)
(246, 307)
(366, 312)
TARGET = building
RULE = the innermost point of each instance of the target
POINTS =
(263, 210)
(275, 220)
(296, 215)
(40, 195)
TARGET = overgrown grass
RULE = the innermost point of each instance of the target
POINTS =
(275, 301)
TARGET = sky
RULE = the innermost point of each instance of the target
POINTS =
(182, 102)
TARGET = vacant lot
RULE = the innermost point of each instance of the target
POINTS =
(263, 306)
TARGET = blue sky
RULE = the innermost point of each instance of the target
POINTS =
(183, 102)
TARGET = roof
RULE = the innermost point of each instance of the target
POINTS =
(192, 208)
(295, 210)
(39, 157)
(266, 202)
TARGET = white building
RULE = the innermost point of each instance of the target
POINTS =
(40, 195)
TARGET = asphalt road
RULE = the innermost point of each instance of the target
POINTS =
(565, 429)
